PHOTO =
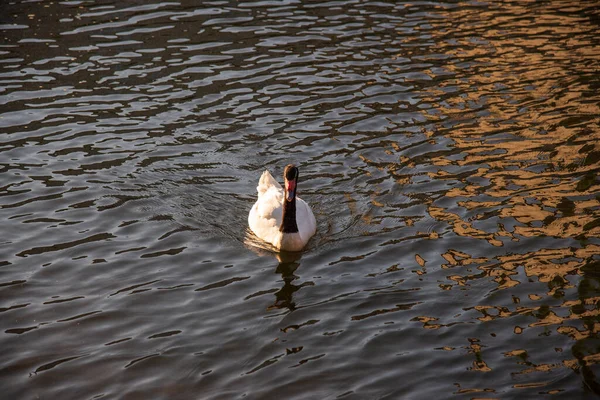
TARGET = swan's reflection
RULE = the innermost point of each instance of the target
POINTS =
(287, 266)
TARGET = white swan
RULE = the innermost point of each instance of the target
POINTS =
(278, 216)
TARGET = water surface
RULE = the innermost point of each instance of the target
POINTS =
(450, 151)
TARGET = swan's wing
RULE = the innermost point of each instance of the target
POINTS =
(270, 205)
(307, 224)
(265, 216)
(266, 182)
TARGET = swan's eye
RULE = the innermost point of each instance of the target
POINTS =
(291, 173)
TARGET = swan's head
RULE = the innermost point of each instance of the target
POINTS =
(290, 175)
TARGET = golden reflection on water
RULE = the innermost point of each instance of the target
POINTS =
(537, 152)
(520, 104)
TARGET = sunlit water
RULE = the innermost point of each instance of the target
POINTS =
(450, 152)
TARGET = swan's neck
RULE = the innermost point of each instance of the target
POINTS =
(288, 222)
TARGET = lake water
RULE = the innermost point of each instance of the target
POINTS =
(450, 152)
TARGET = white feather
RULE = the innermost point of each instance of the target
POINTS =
(265, 217)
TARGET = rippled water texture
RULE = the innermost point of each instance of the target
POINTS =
(450, 152)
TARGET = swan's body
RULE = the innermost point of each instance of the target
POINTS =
(278, 216)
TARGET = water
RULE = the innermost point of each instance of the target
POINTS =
(450, 152)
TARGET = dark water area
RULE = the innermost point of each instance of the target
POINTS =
(450, 152)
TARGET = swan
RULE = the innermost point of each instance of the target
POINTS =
(279, 217)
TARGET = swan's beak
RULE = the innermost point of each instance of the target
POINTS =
(290, 189)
